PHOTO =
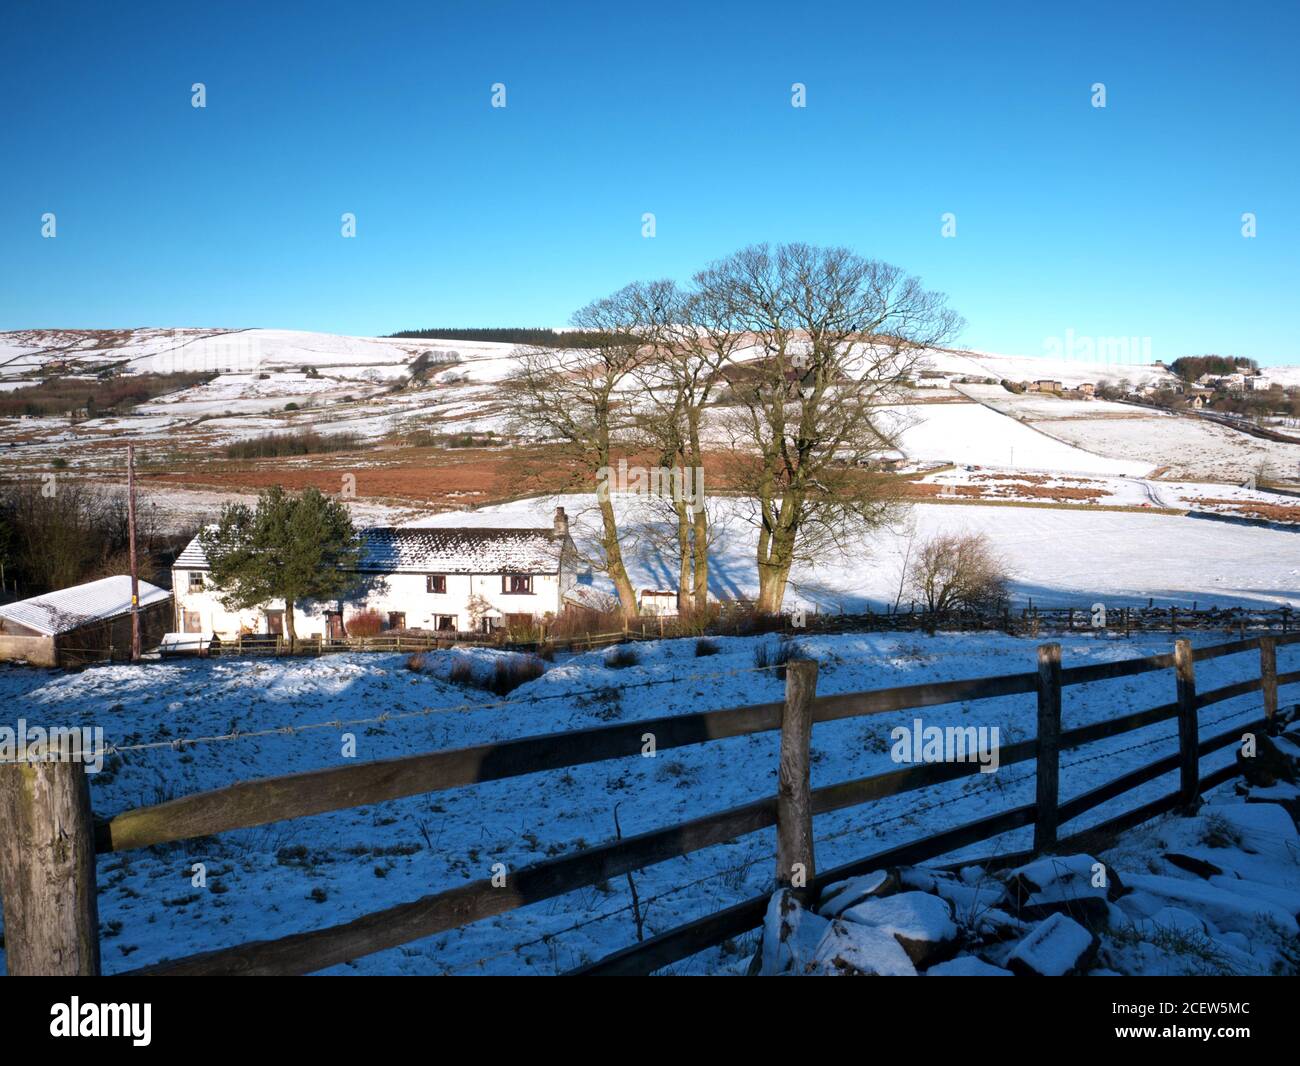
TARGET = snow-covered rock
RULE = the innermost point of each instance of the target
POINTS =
(921, 923)
(791, 934)
(1229, 909)
(1056, 947)
(842, 895)
(967, 966)
(1078, 885)
(850, 949)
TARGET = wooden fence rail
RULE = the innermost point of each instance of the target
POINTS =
(47, 931)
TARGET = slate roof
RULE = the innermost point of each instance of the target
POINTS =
(432, 550)
(70, 608)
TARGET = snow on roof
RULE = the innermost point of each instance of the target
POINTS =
(71, 608)
(462, 551)
(469, 550)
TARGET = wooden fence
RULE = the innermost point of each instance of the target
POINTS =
(1124, 620)
(47, 856)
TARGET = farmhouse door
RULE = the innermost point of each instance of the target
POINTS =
(275, 623)
(334, 624)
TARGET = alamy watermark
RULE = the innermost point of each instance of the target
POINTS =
(24, 743)
(922, 743)
(682, 484)
(1090, 349)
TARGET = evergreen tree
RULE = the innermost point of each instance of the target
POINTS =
(289, 548)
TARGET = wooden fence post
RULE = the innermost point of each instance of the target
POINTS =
(1268, 674)
(1189, 762)
(1049, 732)
(794, 836)
(47, 866)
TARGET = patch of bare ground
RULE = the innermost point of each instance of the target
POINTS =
(419, 475)
(1272, 512)
(1017, 490)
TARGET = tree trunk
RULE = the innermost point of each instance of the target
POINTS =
(614, 560)
(700, 546)
(290, 632)
(684, 557)
(775, 557)
(772, 578)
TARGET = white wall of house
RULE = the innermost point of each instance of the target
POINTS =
(200, 609)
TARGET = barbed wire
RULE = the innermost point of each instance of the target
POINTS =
(642, 903)
(1005, 784)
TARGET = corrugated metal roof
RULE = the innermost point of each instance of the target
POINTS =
(71, 608)
(467, 550)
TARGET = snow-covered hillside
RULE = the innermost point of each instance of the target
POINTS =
(271, 380)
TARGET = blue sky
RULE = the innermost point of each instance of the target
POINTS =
(1071, 220)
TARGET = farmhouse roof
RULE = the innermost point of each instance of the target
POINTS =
(434, 550)
(71, 608)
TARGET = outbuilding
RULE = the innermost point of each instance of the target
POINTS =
(83, 623)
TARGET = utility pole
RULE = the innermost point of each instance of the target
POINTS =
(135, 573)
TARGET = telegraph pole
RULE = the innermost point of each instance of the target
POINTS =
(135, 573)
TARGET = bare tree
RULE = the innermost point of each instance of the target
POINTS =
(958, 571)
(692, 334)
(834, 337)
(581, 400)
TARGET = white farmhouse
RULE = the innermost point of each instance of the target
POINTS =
(443, 579)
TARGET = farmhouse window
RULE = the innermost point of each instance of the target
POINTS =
(436, 583)
(444, 622)
(517, 584)
(396, 619)
(196, 580)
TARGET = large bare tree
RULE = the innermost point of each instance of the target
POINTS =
(833, 338)
(583, 399)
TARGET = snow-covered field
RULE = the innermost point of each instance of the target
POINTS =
(1189, 448)
(970, 433)
(1057, 556)
(313, 872)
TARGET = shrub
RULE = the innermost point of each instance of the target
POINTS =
(692, 621)
(580, 622)
(302, 442)
(510, 673)
(706, 647)
(957, 572)
(415, 662)
(622, 657)
(766, 655)
(364, 624)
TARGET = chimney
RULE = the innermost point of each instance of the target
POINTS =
(561, 523)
